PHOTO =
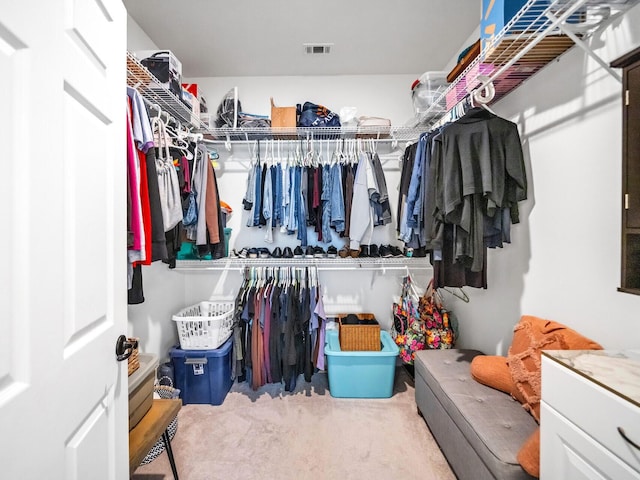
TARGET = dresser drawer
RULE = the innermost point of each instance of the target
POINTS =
(593, 409)
(566, 452)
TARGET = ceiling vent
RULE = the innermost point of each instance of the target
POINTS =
(317, 48)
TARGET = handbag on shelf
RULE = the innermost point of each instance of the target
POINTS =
(439, 324)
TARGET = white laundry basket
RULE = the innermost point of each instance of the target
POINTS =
(204, 326)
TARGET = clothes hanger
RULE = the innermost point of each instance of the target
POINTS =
(461, 295)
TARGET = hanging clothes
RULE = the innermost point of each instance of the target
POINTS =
(280, 319)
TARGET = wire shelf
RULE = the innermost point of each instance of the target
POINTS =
(157, 95)
(541, 31)
(398, 133)
(230, 263)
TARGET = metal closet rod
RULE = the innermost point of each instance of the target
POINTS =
(301, 139)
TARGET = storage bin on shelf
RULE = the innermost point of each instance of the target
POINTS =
(203, 376)
(361, 374)
(363, 335)
(205, 325)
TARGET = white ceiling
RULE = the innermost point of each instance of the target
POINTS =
(216, 38)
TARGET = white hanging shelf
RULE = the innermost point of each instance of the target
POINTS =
(516, 53)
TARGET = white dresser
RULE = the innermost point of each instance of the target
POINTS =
(590, 403)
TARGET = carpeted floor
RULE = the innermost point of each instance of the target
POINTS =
(308, 434)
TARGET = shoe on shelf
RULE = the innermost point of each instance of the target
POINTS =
(264, 253)
(419, 252)
(242, 253)
(253, 253)
(332, 251)
(318, 252)
(308, 253)
(364, 251)
(373, 251)
(355, 253)
(385, 251)
(277, 252)
(395, 251)
(343, 252)
(287, 252)
(297, 252)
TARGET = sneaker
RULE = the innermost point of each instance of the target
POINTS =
(242, 253)
(277, 252)
(332, 252)
(287, 252)
(264, 253)
(395, 251)
(385, 251)
(297, 253)
(419, 252)
(373, 251)
(318, 252)
(309, 252)
(253, 253)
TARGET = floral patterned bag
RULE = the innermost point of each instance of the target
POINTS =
(439, 324)
(408, 330)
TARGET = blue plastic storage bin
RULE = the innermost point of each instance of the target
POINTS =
(359, 374)
(203, 376)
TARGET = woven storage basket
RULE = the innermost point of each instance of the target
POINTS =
(361, 337)
(163, 391)
(204, 326)
(133, 362)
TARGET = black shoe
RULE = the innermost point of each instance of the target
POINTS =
(287, 253)
(373, 251)
(298, 253)
(419, 252)
(253, 253)
(277, 252)
(318, 252)
(264, 253)
(332, 252)
(242, 253)
(364, 251)
(395, 251)
(309, 252)
(385, 251)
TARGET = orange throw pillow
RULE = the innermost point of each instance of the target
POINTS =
(530, 336)
(529, 454)
(492, 371)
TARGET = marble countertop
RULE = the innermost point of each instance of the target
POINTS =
(617, 371)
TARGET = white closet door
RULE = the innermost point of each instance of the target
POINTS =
(63, 395)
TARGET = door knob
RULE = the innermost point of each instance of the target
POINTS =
(124, 348)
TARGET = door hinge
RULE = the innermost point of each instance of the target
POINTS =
(626, 201)
(626, 97)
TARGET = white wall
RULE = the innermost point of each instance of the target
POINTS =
(137, 39)
(386, 96)
(564, 262)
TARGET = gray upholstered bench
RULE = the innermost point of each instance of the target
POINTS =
(479, 429)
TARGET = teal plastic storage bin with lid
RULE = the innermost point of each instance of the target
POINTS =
(361, 374)
(203, 376)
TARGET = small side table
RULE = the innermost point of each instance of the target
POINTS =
(152, 426)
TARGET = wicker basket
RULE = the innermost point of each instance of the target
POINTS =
(133, 362)
(204, 326)
(360, 337)
(163, 391)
